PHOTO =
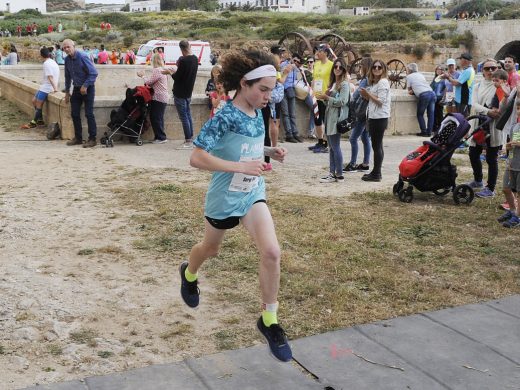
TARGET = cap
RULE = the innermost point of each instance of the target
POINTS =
(451, 61)
(322, 47)
(277, 49)
(466, 56)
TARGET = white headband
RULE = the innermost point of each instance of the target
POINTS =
(261, 71)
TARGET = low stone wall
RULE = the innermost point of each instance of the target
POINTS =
(21, 91)
(111, 78)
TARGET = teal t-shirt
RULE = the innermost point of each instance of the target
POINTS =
(233, 136)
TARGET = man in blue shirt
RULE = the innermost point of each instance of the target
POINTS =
(80, 70)
(463, 85)
(288, 104)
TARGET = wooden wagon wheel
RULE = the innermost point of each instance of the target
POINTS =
(396, 73)
(340, 47)
(355, 68)
(295, 42)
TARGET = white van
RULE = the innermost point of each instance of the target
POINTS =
(172, 52)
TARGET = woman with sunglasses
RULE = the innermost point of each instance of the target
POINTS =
(336, 98)
(483, 96)
(378, 96)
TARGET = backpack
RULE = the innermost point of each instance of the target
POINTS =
(360, 106)
(277, 93)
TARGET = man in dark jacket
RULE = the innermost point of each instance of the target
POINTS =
(184, 75)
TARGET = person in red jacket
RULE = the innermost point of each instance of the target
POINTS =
(50, 28)
(102, 25)
(108, 26)
(19, 30)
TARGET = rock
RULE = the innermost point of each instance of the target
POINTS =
(50, 336)
(29, 333)
(26, 303)
(19, 363)
(61, 329)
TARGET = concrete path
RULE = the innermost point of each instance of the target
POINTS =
(468, 347)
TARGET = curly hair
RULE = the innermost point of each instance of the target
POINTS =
(237, 63)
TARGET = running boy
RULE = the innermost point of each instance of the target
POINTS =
(231, 145)
(512, 175)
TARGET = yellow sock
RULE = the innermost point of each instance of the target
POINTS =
(189, 276)
(269, 315)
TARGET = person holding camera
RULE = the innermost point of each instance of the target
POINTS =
(288, 104)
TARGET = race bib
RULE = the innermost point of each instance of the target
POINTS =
(244, 183)
(318, 86)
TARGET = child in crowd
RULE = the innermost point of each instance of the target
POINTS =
(211, 85)
(500, 81)
(510, 218)
(218, 98)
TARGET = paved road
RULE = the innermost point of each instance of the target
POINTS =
(469, 347)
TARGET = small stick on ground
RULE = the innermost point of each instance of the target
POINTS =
(376, 363)
(476, 369)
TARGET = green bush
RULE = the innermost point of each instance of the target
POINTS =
(137, 25)
(437, 36)
(114, 18)
(128, 40)
(419, 51)
(467, 39)
(24, 14)
(277, 31)
(480, 6)
(511, 11)
(407, 49)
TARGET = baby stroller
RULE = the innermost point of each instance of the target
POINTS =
(130, 119)
(429, 167)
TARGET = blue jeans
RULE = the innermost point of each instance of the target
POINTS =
(76, 101)
(360, 130)
(157, 119)
(426, 103)
(308, 103)
(184, 112)
(288, 111)
(335, 155)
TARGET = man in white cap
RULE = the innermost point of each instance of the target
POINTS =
(448, 91)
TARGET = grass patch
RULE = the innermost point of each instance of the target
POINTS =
(345, 261)
(84, 336)
(54, 350)
(178, 329)
(105, 354)
(85, 252)
(2, 349)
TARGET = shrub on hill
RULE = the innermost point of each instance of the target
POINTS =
(511, 11)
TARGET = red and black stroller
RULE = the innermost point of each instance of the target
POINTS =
(429, 167)
(131, 118)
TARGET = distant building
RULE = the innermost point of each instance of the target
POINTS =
(144, 5)
(318, 6)
(14, 6)
(358, 11)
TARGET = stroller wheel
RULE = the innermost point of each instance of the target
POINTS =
(463, 194)
(441, 192)
(139, 142)
(397, 187)
(103, 140)
(406, 196)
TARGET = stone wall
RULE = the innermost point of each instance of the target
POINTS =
(111, 78)
(21, 91)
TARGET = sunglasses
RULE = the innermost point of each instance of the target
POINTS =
(492, 68)
(310, 62)
(296, 61)
(377, 67)
(338, 67)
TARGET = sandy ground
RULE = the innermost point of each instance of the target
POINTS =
(74, 290)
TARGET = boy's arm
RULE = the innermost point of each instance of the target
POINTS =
(204, 160)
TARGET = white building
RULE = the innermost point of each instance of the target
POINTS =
(318, 6)
(144, 5)
(14, 6)
(358, 11)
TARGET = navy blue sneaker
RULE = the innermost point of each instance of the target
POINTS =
(277, 340)
(189, 290)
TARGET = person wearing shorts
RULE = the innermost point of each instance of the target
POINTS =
(231, 145)
(511, 183)
(50, 80)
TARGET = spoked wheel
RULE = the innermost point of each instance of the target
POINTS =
(295, 42)
(406, 195)
(442, 192)
(355, 69)
(396, 74)
(397, 187)
(340, 47)
(463, 194)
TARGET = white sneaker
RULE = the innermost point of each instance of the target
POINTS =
(330, 178)
(186, 146)
(160, 141)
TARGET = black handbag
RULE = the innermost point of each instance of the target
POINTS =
(502, 120)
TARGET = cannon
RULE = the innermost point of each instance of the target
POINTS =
(295, 42)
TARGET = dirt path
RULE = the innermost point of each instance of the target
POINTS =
(77, 298)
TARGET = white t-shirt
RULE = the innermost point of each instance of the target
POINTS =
(50, 68)
(418, 83)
